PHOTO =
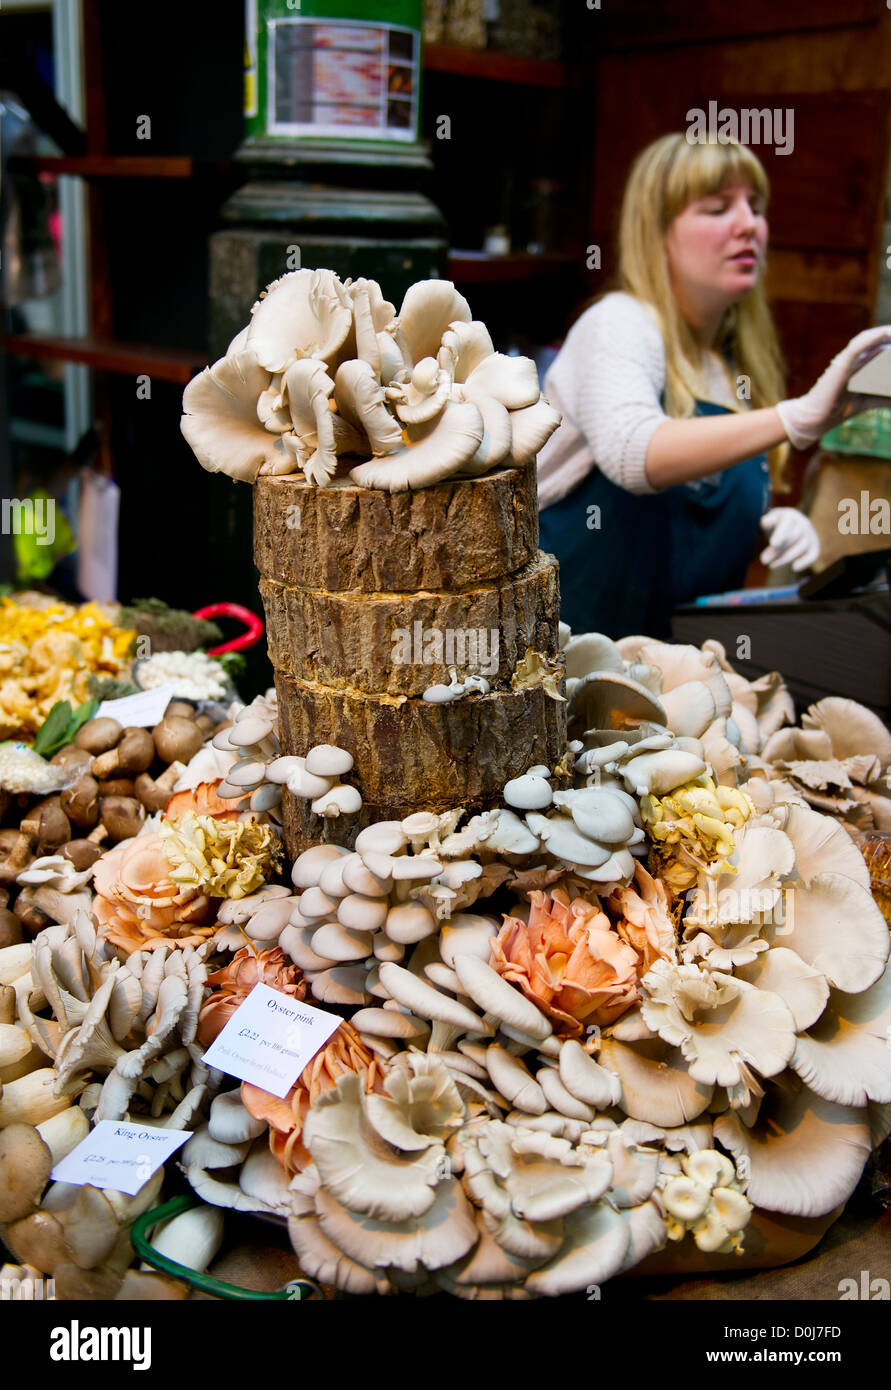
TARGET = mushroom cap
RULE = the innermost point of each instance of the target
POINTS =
(562, 839)
(308, 866)
(389, 1023)
(611, 700)
(25, 1166)
(251, 727)
(297, 943)
(836, 927)
(270, 919)
(359, 878)
(230, 1122)
(528, 793)
(306, 313)
(559, 1098)
(440, 450)
(340, 944)
(656, 1083)
(315, 905)
(851, 727)
(426, 1002)
(331, 878)
(362, 914)
(802, 988)
(326, 760)
(341, 984)
(409, 922)
(599, 814)
(660, 771)
(805, 1154)
(596, 1241)
(428, 310)
(844, 1055)
(415, 867)
(492, 993)
(384, 837)
(585, 1079)
(306, 784)
(468, 934)
(512, 1079)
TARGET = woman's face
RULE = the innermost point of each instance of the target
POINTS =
(716, 246)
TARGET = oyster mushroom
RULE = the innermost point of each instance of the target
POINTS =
(441, 448)
(428, 310)
(220, 422)
(805, 1154)
(306, 313)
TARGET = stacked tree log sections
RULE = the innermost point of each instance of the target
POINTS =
(373, 597)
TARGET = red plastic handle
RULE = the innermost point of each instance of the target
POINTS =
(255, 628)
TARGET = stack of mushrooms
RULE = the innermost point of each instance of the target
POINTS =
(600, 927)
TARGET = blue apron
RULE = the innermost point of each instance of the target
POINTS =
(627, 559)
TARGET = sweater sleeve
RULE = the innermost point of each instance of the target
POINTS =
(608, 380)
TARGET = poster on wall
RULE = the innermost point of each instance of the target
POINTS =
(342, 78)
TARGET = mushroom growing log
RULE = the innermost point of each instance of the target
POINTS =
(457, 559)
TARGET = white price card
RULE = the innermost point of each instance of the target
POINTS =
(269, 1039)
(142, 711)
(119, 1155)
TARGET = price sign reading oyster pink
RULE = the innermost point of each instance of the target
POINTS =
(269, 1040)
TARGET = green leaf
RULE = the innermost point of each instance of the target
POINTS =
(61, 725)
(80, 717)
(53, 729)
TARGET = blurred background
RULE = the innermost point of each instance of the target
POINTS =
(160, 166)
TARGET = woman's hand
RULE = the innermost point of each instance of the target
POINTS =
(793, 540)
(806, 418)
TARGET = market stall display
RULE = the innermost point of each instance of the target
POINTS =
(604, 979)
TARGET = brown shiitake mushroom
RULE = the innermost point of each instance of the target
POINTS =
(177, 739)
(181, 709)
(16, 852)
(48, 824)
(155, 792)
(72, 756)
(122, 816)
(117, 786)
(207, 725)
(98, 735)
(82, 853)
(10, 929)
(25, 1163)
(133, 753)
(81, 802)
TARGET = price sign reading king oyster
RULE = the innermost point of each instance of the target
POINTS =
(269, 1040)
(119, 1155)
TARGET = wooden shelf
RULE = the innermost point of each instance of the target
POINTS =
(497, 67)
(118, 166)
(478, 267)
(177, 365)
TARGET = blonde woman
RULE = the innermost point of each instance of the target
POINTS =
(655, 485)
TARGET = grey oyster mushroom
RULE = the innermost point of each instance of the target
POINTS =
(326, 369)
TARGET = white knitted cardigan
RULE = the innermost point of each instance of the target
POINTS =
(607, 382)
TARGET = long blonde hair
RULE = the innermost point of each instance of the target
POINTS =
(664, 179)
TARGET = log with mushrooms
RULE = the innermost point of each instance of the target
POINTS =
(640, 1008)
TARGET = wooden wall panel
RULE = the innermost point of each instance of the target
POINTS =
(635, 23)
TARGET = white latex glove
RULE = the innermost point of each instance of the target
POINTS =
(828, 402)
(793, 540)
